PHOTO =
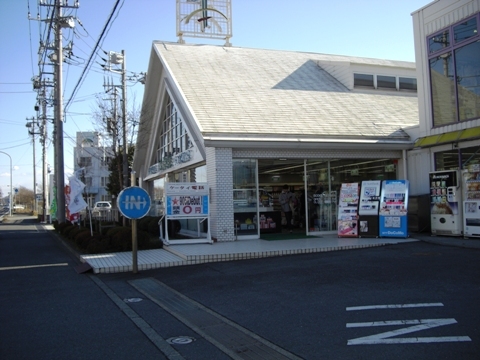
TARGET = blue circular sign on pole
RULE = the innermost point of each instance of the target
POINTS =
(134, 202)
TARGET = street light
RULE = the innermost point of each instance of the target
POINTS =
(11, 188)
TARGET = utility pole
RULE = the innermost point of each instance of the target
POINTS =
(43, 138)
(59, 171)
(124, 121)
(31, 124)
(56, 22)
(120, 58)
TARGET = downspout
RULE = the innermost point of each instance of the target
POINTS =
(404, 156)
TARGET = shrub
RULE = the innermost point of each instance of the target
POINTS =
(73, 232)
(98, 244)
(82, 238)
(120, 238)
(61, 226)
(153, 227)
(142, 224)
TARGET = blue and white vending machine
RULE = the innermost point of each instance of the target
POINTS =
(393, 208)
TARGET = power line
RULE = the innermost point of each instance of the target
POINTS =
(80, 80)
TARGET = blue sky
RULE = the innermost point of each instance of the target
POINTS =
(371, 28)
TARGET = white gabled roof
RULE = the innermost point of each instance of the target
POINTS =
(255, 93)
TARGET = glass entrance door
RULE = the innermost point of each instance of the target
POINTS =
(322, 196)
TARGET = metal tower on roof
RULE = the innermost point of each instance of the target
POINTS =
(210, 19)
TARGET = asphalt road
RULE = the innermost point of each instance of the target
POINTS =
(48, 311)
(408, 301)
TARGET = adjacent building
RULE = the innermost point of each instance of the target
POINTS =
(447, 54)
(91, 160)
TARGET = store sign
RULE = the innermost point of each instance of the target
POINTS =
(186, 199)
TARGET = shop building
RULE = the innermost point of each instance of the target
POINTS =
(248, 121)
(444, 164)
(447, 51)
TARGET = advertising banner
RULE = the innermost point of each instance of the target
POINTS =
(348, 210)
(369, 197)
(186, 200)
(393, 208)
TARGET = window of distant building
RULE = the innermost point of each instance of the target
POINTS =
(384, 82)
(454, 55)
(407, 83)
(363, 80)
(103, 181)
(85, 161)
(106, 161)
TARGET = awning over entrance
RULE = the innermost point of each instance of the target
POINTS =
(450, 137)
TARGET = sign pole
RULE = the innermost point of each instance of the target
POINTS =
(134, 203)
(134, 233)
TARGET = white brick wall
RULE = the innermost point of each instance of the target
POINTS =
(220, 180)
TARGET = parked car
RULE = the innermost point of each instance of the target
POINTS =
(102, 206)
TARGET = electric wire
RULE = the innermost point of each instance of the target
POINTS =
(85, 69)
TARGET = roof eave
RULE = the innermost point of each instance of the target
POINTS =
(307, 144)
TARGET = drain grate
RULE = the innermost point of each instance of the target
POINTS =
(180, 340)
(132, 300)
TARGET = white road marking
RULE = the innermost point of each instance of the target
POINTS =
(393, 306)
(31, 266)
(422, 324)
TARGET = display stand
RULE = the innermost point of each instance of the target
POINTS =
(471, 203)
(368, 209)
(348, 210)
(393, 208)
(186, 201)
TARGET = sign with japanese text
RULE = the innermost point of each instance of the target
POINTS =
(186, 199)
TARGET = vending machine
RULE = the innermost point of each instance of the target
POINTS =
(393, 208)
(445, 203)
(471, 201)
(348, 210)
(368, 208)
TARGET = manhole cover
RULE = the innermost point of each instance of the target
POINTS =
(180, 340)
(132, 300)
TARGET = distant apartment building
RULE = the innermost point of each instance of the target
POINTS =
(93, 156)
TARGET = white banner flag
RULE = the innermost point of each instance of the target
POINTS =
(76, 203)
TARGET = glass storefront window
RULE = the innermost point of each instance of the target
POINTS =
(157, 208)
(468, 81)
(443, 89)
(465, 30)
(455, 159)
(455, 73)
(245, 198)
(439, 41)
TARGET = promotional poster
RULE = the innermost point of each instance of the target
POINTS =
(393, 208)
(348, 210)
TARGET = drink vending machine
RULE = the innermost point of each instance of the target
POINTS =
(471, 201)
(393, 208)
(445, 203)
(368, 208)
